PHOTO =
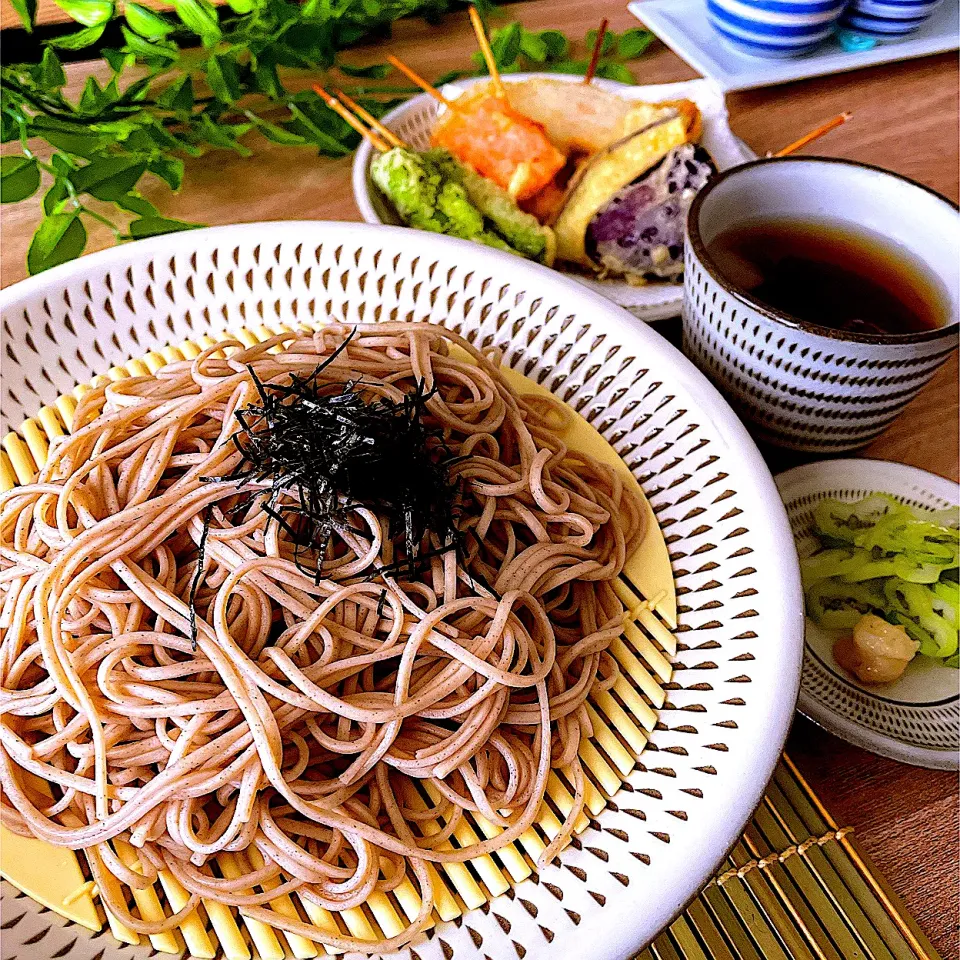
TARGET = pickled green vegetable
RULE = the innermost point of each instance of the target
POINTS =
(838, 606)
(880, 556)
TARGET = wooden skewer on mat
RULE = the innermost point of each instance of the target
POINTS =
(337, 107)
(370, 119)
(484, 43)
(411, 74)
(597, 47)
(824, 128)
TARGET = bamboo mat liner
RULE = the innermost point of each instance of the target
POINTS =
(795, 887)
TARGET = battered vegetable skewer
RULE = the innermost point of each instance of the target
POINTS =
(433, 191)
(483, 130)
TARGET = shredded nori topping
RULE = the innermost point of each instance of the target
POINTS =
(198, 577)
(326, 449)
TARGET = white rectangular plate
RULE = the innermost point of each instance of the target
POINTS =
(683, 26)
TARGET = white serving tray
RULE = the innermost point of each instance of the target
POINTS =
(683, 26)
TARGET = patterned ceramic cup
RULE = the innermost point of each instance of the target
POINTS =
(799, 385)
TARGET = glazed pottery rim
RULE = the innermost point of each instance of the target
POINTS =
(785, 319)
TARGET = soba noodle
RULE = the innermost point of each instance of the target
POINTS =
(330, 732)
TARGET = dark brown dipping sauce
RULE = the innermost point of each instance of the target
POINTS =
(830, 275)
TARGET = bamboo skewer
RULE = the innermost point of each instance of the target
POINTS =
(484, 43)
(370, 119)
(595, 55)
(411, 74)
(824, 128)
(337, 107)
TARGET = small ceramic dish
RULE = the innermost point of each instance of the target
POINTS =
(775, 28)
(414, 121)
(917, 718)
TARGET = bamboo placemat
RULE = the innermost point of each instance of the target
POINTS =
(795, 887)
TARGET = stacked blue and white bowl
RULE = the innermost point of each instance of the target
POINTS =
(775, 28)
(887, 19)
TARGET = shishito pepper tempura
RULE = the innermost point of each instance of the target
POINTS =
(433, 191)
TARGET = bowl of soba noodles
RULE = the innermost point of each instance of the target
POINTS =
(372, 594)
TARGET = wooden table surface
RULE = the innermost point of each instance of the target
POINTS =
(906, 119)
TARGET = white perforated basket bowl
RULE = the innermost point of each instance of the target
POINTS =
(737, 668)
(414, 120)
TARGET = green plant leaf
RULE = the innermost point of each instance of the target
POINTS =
(71, 139)
(77, 41)
(108, 178)
(274, 133)
(609, 41)
(156, 50)
(633, 43)
(558, 46)
(200, 17)
(505, 44)
(307, 43)
(26, 11)
(147, 23)
(137, 204)
(51, 71)
(136, 91)
(9, 128)
(224, 78)
(316, 134)
(155, 226)
(117, 59)
(168, 169)
(615, 71)
(55, 196)
(224, 135)
(19, 178)
(375, 71)
(267, 80)
(63, 167)
(348, 34)
(178, 96)
(90, 97)
(241, 6)
(91, 13)
(532, 45)
(59, 238)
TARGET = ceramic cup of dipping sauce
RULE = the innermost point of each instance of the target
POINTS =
(820, 296)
